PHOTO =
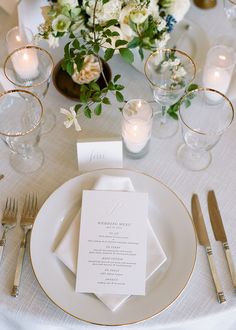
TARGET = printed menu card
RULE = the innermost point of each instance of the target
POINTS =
(112, 243)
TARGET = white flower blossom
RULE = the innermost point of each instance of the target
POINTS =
(124, 22)
(138, 16)
(53, 41)
(90, 71)
(71, 118)
(104, 12)
(61, 23)
(178, 9)
(68, 3)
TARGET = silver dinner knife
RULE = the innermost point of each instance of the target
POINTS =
(219, 231)
(204, 241)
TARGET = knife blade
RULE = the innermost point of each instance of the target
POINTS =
(219, 231)
(204, 241)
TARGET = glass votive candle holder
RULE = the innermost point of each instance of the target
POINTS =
(18, 37)
(218, 69)
(137, 127)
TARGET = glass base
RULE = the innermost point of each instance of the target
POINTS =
(193, 160)
(27, 165)
(48, 122)
(136, 155)
(164, 127)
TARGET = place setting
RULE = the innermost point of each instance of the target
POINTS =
(117, 120)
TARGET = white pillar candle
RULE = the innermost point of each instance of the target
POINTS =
(137, 125)
(218, 70)
(25, 63)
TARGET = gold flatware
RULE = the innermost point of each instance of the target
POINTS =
(204, 241)
(29, 212)
(8, 221)
(219, 231)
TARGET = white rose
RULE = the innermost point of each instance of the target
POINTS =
(68, 3)
(124, 22)
(104, 13)
(178, 9)
(138, 16)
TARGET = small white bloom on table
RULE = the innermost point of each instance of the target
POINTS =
(61, 23)
(71, 118)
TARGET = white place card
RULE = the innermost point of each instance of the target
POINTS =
(97, 154)
(112, 243)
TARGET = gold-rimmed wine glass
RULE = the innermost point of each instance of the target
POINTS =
(204, 114)
(169, 72)
(21, 115)
(30, 68)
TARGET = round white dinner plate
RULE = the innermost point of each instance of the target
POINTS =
(171, 223)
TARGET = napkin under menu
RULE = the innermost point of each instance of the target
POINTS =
(67, 249)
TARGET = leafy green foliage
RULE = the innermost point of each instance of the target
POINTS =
(174, 108)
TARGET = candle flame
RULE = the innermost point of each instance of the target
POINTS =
(25, 57)
(216, 74)
(139, 104)
(222, 57)
(18, 38)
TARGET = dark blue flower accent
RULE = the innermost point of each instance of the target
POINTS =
(170, 22)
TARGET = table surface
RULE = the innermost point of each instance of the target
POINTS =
(198, 301)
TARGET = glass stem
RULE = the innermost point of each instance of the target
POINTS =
(163, 115)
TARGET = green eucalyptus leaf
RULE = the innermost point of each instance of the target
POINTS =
(127, 55)
(134, 43)
(108, 54)
(87, 112)
(106, 100)
(117, 77)
(119, 43)
(70, 68)
(192, 87)
(98, 109)
(119, 97)
(95, 86)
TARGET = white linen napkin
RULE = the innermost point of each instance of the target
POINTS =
(67, 249)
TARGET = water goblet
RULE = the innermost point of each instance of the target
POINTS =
(169, 72)
(20, 124)
(30, 68)
(230, 11)
(204, 114)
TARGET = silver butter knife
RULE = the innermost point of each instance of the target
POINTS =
(219, 231)
(204, 241)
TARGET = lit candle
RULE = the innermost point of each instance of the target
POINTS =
(218, 79)
(218, 70)
(25, 63)
(137, 125)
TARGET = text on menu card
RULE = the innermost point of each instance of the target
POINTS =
(112, 243)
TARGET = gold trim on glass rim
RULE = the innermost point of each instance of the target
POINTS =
(28, 47)
(170, 50)
(202, 89)
(194, 261)
(40, 103)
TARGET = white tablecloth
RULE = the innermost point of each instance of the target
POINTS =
(197, 307)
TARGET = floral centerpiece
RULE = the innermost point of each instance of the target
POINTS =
(97, 30)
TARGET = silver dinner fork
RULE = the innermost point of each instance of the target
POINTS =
(29, 212)
(8, 221)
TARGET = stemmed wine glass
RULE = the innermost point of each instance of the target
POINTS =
(204, 114)
(20, 123)
(30, 68)
(169, 72)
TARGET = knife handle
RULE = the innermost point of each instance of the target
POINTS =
(219, 291)
(230, 262)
